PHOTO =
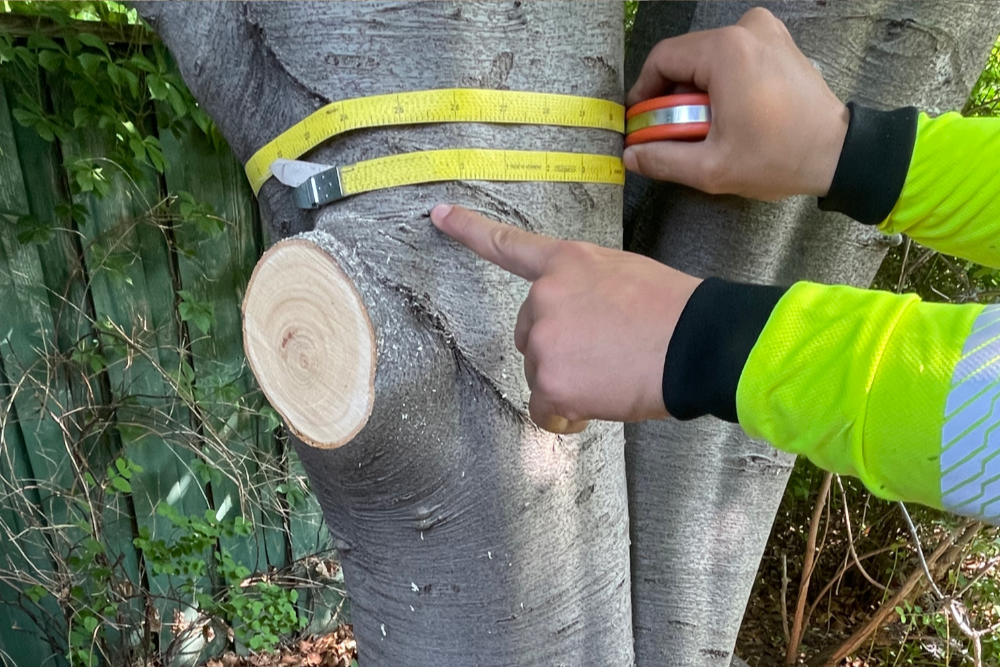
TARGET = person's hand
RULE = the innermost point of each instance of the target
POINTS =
(595, 326)
(777, 129)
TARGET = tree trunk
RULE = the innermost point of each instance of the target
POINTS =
(467, 535)
(702, 496)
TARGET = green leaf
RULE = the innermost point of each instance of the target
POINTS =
(142, 62)
(202, 120)
(44, 131)
(39, 41)
(72, 43)
(169, 512)
(155, 153)
(90, 62)
(138, 149)
(32, 230)
(24, 117)
(114, 73)
(193, 310)
(81, 116)
(271, 418)
(27, 56)
(35, 593)
(94, 42)
(177, 102)
(132, 80)
(90, 623)
(123, 468)
(157, 87)
(92, 547)
(121, 484)
(6, 49)
(50, 60)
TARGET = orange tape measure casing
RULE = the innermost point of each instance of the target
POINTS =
(685, 116)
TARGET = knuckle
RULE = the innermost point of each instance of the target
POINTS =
(642, 160)
(713, 172)
(548, 384)
(501, 240)
(761, 20)
(649, 162)
(758, 14)
(544, 291)
(542, 340)
(741, 45)
(656, 53)
(576, 252)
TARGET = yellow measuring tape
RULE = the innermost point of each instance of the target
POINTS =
(450, 105)
(457, 164)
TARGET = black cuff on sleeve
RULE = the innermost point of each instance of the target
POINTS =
(710, 345)
(873, 163)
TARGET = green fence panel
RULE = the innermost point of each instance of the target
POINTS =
(122, 337)
(217, 242)
(35, 451)
(129, 266)
(64, 280)
(23, 625)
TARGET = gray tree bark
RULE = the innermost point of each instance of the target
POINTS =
(702, 496)
(467, 535)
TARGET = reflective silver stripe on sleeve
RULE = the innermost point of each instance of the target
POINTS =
(970, 434)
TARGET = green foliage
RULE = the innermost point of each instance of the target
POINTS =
(631, 7)
(115, 88)
(95, 600)
(259, 611)
(199, 313)
(985, 97)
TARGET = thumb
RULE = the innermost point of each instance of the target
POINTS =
(682, 162)
(546, 418)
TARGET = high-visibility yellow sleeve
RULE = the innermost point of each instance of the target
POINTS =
(950, 199)
(903, 394)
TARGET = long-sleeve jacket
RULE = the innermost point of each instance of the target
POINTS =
(901, 393)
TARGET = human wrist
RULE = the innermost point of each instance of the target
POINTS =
(829, 146)
(873, 163)
(710, 345)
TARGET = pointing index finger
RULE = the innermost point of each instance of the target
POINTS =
(521, 252)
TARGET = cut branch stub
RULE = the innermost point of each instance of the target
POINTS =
(310, 342)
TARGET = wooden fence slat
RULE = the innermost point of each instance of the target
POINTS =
(65, 285)
(23, 642)
(215, 270)
(37, 451)
(130, 282)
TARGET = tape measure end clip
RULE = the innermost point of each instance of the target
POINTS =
(320, 189)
